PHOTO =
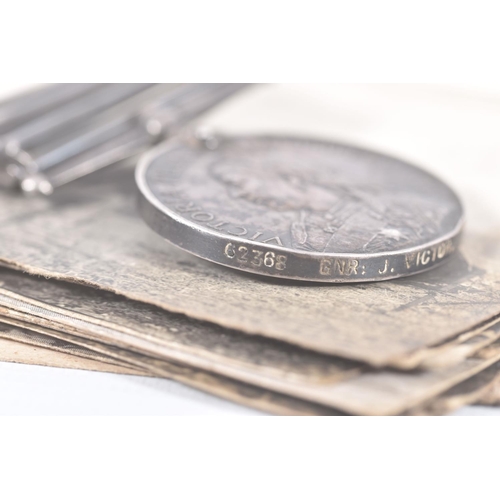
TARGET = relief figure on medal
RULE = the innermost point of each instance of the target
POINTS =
(320, 210)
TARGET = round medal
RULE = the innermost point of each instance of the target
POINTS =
(298, 208)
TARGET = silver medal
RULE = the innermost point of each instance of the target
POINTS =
(299, 209)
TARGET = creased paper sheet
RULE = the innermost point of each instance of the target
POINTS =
(132, 326)
(479, 389)
(13, 351)
(23, 336)
(434, 391)
(245, 394)
(108, 317)
(90, 233)
(491, 397)
(388, 393)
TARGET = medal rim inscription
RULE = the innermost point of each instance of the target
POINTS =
(211, 245)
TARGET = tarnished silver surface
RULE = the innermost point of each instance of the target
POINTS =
(299, 209)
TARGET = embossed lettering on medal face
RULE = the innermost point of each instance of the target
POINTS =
(317, 210)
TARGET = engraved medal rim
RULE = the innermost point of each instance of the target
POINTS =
(148, 196)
